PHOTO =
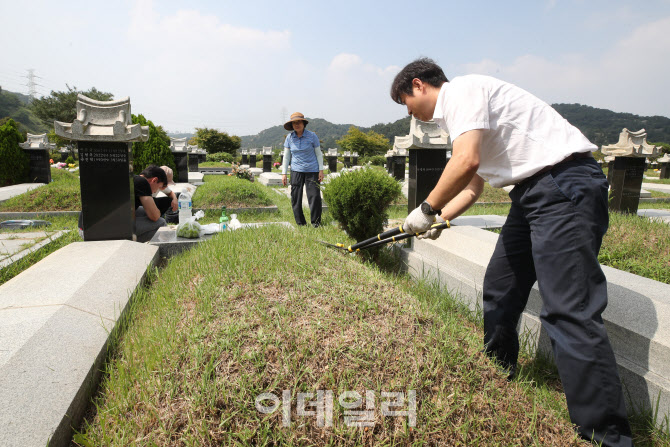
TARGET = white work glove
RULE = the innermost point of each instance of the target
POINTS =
(417, 222)
(433, 233)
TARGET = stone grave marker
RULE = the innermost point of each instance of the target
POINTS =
(252, 157)
(193, 159)
(347, 159)
(427, 145)
(332, 159)
(399, 163)
(37, 148)
(664, 163)
(354, 158)
(104, 132)
(627, 171)
(245, 157)
(267, 159)
(64, 153)
(389, 161)
(179, 149)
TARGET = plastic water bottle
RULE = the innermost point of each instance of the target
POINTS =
(223, 220)
(185, 207)
(234, 223)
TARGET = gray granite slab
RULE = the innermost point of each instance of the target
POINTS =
(270, 179)
(14, 249)
(7, 192)
(55, 334)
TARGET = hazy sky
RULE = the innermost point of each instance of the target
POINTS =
(243, 66)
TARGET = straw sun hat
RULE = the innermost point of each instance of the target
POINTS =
(297, 116)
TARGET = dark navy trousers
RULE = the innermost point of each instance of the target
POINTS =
(553, 234)
(310, 180)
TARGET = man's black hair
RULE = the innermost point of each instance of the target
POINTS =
(152, 171)
(425, 69)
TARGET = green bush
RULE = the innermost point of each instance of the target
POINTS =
(359, 200)
(220, 157)
(69, 160)
(14, 162)
(154, 151)
(375, 160)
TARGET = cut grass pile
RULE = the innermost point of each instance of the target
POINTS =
(231, 192)
(62, 194)
(269, 310)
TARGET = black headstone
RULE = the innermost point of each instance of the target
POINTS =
(40, 168)
(252, 161)
(347, 161)
(610, 169)
(332, 163)
(64, 155)
(355, 161)
(107, 191)
(192, 162)
(627, 174)
(267, 163)
(399, 167)
(389, 165)
(425, 169)
(245, 159)
(181, 163)
(665, 170)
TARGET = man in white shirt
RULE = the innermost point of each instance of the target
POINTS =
(506, 136)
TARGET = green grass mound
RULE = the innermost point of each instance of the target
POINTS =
(637, 245)
(62, 194)
(232, 192)
(239, 316)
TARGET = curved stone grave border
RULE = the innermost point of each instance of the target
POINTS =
(55, 334)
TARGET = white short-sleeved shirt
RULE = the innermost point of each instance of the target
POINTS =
(523, 134)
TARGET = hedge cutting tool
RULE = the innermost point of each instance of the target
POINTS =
(393, 235)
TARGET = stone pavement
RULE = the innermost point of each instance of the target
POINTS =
(14, 246)
(7, 192)
(657, 187)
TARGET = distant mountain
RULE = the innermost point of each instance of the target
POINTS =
(328, 133)
(600, 126)
(16, 106)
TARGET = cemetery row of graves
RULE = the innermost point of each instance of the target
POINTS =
(271, 310)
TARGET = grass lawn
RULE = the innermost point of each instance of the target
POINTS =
(62, 194)
(262, 311)
(232, 192)
(57, 224)
(214, 164)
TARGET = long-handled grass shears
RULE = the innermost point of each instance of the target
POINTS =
(393, 235)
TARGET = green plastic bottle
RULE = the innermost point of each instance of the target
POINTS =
(223, 220)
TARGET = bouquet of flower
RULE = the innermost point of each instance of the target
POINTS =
(242, 173)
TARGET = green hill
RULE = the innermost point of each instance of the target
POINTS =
(16, 106)
(601, 126)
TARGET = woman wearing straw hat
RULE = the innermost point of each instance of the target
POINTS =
(302, 151)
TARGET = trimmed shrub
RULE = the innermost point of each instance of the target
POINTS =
(359, 200)
(220, 157)
(69, 160)
(375, 160)
(14, 162)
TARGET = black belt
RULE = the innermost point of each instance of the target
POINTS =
(571, 157)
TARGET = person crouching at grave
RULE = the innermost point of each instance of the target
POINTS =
(558, 217)
(302, 151)
(170, 199)
(147, 215)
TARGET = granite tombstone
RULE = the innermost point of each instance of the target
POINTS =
(179, 149)
(37, 148)
(267, 159)
(332, 160)
(427, 145)
(104, 132)
(627, 171)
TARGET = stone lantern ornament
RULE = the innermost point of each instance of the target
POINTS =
(103, 132)
(627, 170)
(664, 163)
